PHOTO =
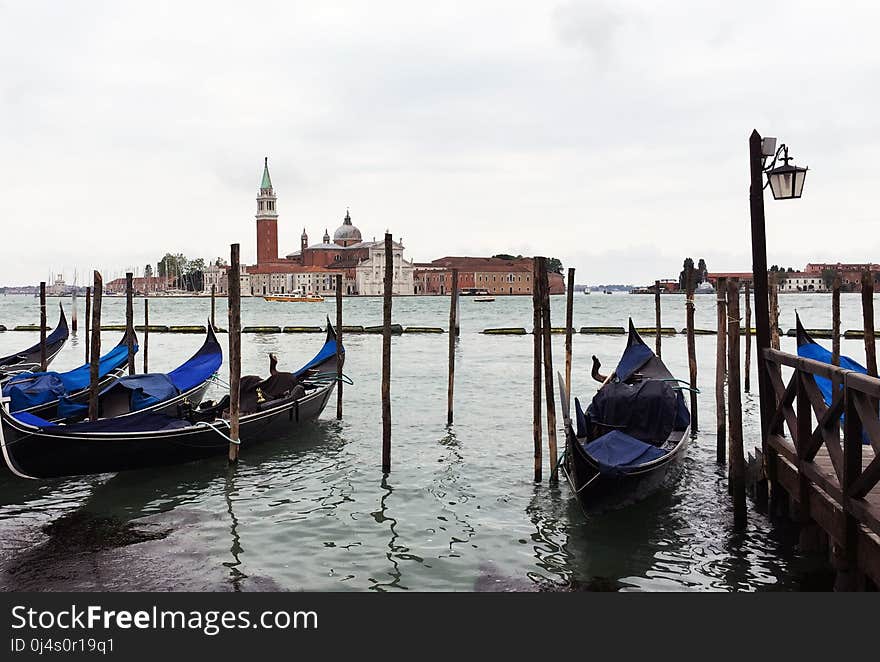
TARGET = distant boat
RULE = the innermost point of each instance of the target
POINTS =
(705, 288)
(484, 299)
(474, 291)
(296, 297)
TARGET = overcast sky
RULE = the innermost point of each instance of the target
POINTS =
(612, 135)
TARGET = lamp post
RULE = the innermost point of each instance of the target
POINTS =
(786, 182)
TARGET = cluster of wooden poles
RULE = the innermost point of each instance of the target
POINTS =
(728, 408)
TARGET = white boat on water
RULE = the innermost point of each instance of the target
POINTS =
(705, 288)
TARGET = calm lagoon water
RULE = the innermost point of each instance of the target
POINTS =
(459, 510)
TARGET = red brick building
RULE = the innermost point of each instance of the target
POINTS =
(495, 275)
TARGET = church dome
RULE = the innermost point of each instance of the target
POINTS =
(347, 234)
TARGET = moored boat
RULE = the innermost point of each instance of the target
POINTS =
(29, 359)
(632, 438)
(271, 408)
(40, 393)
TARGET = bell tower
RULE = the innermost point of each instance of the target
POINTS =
(304, 240)
(267, 220)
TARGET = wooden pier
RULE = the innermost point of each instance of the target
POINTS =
(829, 476)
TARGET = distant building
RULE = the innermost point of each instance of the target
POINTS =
(800, 281)
(495, 275)
(819, 267)
(148, 285)
(313, 268)
(743, 276)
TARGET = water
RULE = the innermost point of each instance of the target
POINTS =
(459, 510)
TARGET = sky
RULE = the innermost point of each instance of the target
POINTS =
(613, 135)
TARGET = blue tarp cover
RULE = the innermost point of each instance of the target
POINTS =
(327, 351)
(635, 356)
(199, 368)
(30, 419)
(146, 390)
(38, 388)
(816, 352)
(617, 451)
(146, 422)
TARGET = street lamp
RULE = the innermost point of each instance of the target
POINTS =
(786, 182)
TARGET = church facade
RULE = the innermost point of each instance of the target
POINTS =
(314, 267)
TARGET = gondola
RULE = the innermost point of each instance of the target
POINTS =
(29, 359)
(39, 393)
(161, 393)
(271, 408)
(632, 439)
(810, 349)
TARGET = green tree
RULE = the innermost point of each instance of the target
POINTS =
(148, 271)
(686, 266)
(554, 265)
(828, 276)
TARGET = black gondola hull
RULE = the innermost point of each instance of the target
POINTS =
(37, 453)
(598, 492)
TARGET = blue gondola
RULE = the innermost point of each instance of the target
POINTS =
(29, 359)
(632, 438)
(271, 408)
(39, 393)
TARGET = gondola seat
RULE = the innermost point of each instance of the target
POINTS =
(617, 451)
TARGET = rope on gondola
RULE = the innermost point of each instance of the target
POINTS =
(225, 436)
(686, 387)
(323, 377)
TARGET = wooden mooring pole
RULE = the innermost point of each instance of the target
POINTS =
(720, 371)
(129, 320)
(747, 382)
(536, 365)
(88, 320)
(736, 469)
(146, 334)
(835, 320)
(234, 304)
(762, 327)
(453, 323)
(868, 316)
(774, 311)
(94, 361)
(657, 321)
(549, 396)
(691, 344)
(386, 355)
(44, 363)
(339, 358)
(569, 331)
(74, 323)
(213, 306)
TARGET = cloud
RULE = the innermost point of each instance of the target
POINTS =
(583, 130)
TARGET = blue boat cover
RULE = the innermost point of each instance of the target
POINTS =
(327, 352)
(153, 388)
(30, 419)
(648, 410)
(633, 358)
(616, 451)
(38, 388)
(200, 366)
(146, 390)
(145, 422)
(816, 352)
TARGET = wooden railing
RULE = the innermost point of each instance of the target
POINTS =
(828, 452)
